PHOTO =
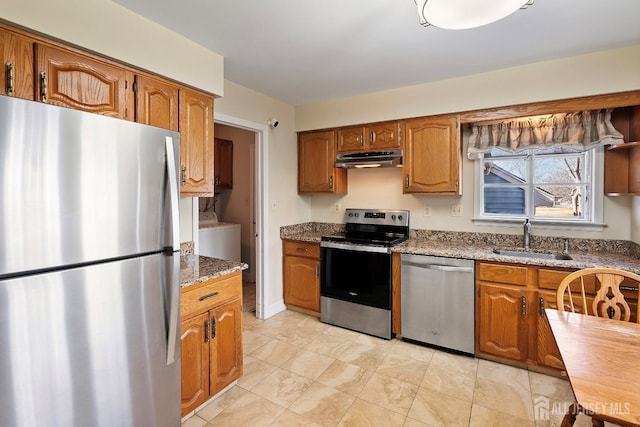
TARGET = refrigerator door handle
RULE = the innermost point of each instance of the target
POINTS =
(173, 193)
(172, 293)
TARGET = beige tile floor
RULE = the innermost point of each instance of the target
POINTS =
(301, 372)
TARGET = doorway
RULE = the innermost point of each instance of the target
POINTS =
(246, 206)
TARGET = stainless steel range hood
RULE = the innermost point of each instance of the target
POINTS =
(370, 159)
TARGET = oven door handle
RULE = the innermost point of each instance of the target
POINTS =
(356, 247)
(439, 267)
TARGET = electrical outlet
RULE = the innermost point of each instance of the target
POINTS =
(456, 210)
(427, 211)
(337, 207)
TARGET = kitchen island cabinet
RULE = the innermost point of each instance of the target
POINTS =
(16, 74)
(301, 271)
(316, 164)
(432, 156)
(211, 338)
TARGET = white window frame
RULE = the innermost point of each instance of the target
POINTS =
(594, 220)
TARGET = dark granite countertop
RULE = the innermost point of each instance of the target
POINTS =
(197, 268)
(585, 253)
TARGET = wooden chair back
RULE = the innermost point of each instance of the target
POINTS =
(608, 301)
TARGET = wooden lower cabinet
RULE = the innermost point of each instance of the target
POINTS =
(301, 273)
(510, 319)
(211, 338)
(502, 321)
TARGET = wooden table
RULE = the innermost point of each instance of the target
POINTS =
(602, 360)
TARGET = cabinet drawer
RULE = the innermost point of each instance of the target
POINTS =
(305, 249)
(550, 279)
(210, 294)
(502, 273)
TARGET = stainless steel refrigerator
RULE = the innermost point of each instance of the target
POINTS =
(89, 270)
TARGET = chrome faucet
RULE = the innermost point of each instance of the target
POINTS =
(527, 233)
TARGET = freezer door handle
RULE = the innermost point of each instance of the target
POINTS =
(173, 193)
(449, 268)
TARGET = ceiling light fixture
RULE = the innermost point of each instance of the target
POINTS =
(464, 14)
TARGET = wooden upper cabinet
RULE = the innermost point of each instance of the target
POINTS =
(82, 82)
(16, 73)
(376, 136)
(223, 160)
(156, 102)
(316, 164)
(351, 139)
(384, 136)
(432, 158)
(196, 144)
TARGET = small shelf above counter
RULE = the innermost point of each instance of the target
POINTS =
(622, 161)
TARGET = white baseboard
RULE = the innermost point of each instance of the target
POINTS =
(273, 309)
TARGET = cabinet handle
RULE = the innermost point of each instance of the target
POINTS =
(317, 271)
(330, 182)
(541, 307)
(206, 330)
(372, 137)
(213, 327)
(206, 297)
(523, 307)
(183, 176)
(43, 86)
(399, 133)
(361, 140)
(9, 78)
(406, 182)
(299, 249)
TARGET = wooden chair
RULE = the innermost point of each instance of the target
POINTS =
(608, 301)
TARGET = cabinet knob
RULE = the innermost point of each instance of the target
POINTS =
(523, 307)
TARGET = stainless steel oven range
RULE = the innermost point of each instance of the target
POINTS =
(355, 270)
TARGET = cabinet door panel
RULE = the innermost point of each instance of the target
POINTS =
(226, 346)
(196, 144)
(223, 169)
(502, 325)
(82, 83)
(195, 363)
(16, 72)
(432, 156)
(302, 283)
(156, 103)
(351, 139)
(384, 136)
(316, 164)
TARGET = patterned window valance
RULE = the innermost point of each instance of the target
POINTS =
(580, 131)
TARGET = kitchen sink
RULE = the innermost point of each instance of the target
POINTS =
(529, 254)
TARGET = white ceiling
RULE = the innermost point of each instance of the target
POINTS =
(302, 51)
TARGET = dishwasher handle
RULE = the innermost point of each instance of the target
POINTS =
(439, 267)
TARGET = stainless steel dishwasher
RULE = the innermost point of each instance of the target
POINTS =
(437, 301)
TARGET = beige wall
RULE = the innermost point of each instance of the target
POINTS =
(602, 72)
(108, 28)
(635, 220)
(285, 207)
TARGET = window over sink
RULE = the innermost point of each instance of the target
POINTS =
(553, 186)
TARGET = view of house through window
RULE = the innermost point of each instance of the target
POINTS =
(552, 183)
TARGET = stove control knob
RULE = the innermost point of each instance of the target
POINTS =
(393, 217)
(399, 217)
(356, 214)
(350, 214)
